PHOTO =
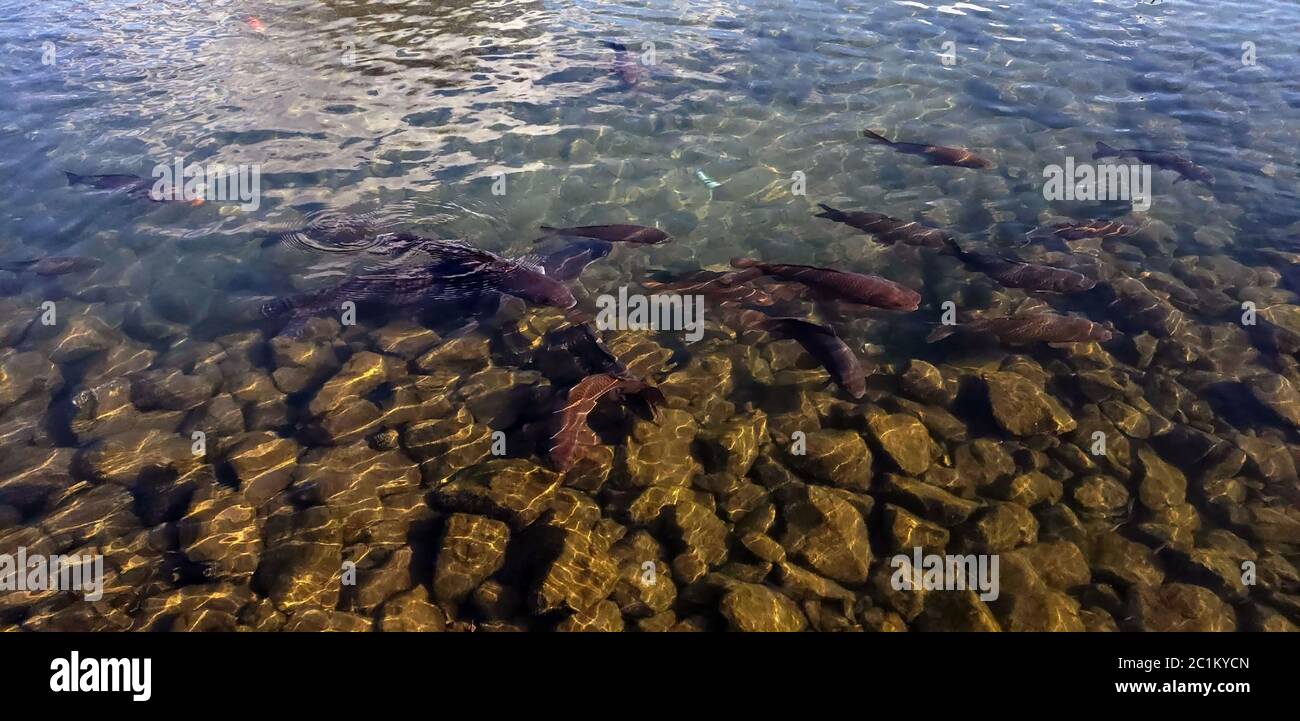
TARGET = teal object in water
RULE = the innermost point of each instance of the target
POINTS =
(706, 179)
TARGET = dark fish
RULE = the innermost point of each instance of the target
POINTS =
(52, 265)
(454, 271)
(936, 154)
(132, 185)
(841, 285)
(1159, 158)
(590, 351)
(571, 433)
(1091, 229)
(1029, 328)
(567, 263)
(639, 234)
(823, 344)
(627, 69)
(1013, 273)
(887, 230)
(720, 287)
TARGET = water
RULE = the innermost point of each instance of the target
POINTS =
(747, 115)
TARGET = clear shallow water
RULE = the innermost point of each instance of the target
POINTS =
(355, 106)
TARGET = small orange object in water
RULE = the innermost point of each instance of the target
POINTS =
(196, 202)
(254, 24)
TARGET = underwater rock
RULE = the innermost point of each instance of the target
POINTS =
(301, 364)
(1022, 408)
(125, 457)
(906, 532)
(206, 607)
(932, 503)
(826, 532)
(499, 397)
(1115, 559)
(473, 548)
(508, 489)
(701, 535)
(752, 607)
(29, 479)
(378, 583)
(1138, 309)
(838, 458)
(410, 611)
(1214, 569)
(734, 446)
(404, 339)
(1100, 496)
(263, 464)
(956, 611)
(644, 587)
(82, 336)
(983, 461)
(26, 374)
(1161, 484)
(1046, 610)
(301, 561)
(89, 515)
(445, 446)
(1027, 489)
(1278, 394)
(1179, 607)
(927, 384)
(220, 531)
(603, 617)
(999, 528)
(1059, 564)
(170, 389)
(578, 574)
(904, 440)
(659, 452)
(361, 374)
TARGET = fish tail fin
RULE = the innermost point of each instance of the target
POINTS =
(616, 46)
(940, 333)
(74, 179)
(877, 137)
(828, 212)
(17, 265)
(1103, 150)
(744, 263)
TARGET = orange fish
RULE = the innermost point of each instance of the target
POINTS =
(254, 24)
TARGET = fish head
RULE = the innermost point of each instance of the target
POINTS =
(535, 287)
(1101, 333)
(649, 236)
(907, 299)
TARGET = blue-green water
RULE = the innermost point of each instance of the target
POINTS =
(484, 120)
